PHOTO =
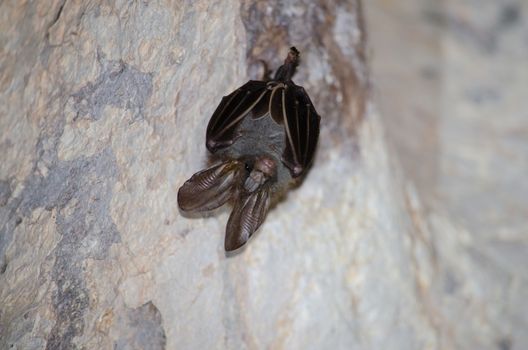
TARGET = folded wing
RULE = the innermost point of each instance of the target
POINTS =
(291, 106)
(221, 130)
(210, 188)
(247, 215)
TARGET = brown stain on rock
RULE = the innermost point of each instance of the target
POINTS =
(208, 270)
(272, 26)
(105, 321)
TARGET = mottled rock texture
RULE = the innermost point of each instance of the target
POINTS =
(103, 108)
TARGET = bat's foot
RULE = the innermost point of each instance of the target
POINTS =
(264, 169)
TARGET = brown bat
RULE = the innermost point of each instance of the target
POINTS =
(264, 134)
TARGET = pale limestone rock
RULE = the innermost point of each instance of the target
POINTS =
(103, 108)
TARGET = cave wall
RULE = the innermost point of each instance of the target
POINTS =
(103, 108)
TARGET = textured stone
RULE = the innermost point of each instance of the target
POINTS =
(103, 108)
(460, 129)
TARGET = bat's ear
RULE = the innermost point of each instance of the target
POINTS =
(247, 215)
(212, 187)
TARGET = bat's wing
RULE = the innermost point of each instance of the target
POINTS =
(221, 130)
(291, 106)
(247, 215)
(210, 188)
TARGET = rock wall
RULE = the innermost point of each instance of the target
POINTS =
(460, 130)
(103, 108)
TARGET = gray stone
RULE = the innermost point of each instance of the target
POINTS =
(119, 85)
(143, 329)
(103, 109)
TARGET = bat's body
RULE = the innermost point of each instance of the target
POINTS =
(265, 134)
(262, 137)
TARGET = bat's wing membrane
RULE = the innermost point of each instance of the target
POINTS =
(247, 215)
(221, 130)
(291, 106)
(210, 188)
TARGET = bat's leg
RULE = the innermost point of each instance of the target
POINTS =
(259, 70)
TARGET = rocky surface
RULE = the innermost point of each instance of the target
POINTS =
(103, 109)
(459, 129)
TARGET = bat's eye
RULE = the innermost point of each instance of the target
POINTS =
(248, 167)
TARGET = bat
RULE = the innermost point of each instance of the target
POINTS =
(264, 136)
